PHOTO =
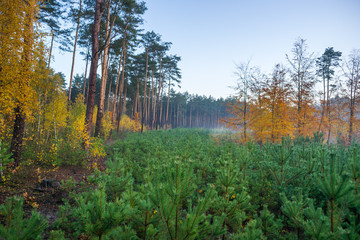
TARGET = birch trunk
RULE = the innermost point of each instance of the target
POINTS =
(51, 47)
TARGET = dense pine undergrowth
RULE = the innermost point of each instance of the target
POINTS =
(188, 184)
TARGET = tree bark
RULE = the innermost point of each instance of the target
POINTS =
(121, 89)
(124, 101)
(190, 117)
(117, 92)
(158, 97)
(144, 106)
(161, 111)
(117, 86)
(104, 74)
(152, 100)
(177, 116)
(74, 51)
(167, 106)
(18, 135)
(109, 94)
(93, 67)
(135, 109)
(86, 67)
(148, 111)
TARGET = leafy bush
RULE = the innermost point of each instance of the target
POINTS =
(70, 155)
(129, 125)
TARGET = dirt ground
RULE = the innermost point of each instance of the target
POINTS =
(26, 180)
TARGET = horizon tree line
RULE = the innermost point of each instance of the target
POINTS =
(309, 95)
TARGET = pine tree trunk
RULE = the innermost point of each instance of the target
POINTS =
(190, 117)
(161, 104)
(152, 101)
(104, 66)
(109, 94)
(177, 116)
(144, 106)
(117, 91)
(167, 106)
(74, 51)
(135, 110)
(174, 116)
(93, 67)
(117, 85)
(184, 118)
(86, 67)
(123, 109)
(122, 87)
(148, 105)
(148, 111)
(158, 96)
(132, 109)
(154, 105)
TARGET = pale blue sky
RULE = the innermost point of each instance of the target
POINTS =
(212, 35)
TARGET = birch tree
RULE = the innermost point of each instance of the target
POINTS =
(351, 71)
(303, 81)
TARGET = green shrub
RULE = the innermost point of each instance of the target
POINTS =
(92, 215)
(5, 160)
(16, 226)
(70, 155)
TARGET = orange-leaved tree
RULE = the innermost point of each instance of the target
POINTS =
(267, 112)
(277, 103)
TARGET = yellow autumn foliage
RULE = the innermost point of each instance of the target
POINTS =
(267, 117)
(97, 148)
(129, 125)
(77, 121)
(106, 124)
(20, 52)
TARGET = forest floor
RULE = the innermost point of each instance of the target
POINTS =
(26, 180)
